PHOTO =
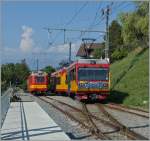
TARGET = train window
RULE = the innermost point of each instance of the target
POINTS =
(40, 79)
(72, 74)
(58, 80)
(93, 74)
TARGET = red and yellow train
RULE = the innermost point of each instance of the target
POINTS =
(37, 82)
(89, 79)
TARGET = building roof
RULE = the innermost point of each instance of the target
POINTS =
(82, 52)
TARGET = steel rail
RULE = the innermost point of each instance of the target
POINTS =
(128, 110)
(125, 130)
(105, 122)
(72, 117)
(128, 107)
(93, 126)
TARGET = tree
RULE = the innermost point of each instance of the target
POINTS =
(135, 26)
(7, 75)
(115, 38)
(63, 63)
(15, 73)
(48, 69)
(22, 71)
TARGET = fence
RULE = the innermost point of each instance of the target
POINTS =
(5, 103)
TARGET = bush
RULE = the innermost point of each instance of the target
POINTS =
(119, 54)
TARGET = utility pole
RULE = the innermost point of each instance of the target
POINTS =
(69, 84)
(106, 12)
(107, 31)
(37, 63)
(64, 36)
(70, 53)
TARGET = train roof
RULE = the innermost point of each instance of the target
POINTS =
(95, 61)
(58, 71)
(90, 61)
(39, 73)
(83, 61)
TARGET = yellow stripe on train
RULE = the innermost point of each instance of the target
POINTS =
(38, 86)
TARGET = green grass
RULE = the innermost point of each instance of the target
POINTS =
(130, 80)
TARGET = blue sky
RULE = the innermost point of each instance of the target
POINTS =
(24, 36)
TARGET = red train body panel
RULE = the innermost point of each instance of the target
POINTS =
(37, 82)
(89, 79)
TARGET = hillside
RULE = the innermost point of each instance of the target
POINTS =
(130, 79)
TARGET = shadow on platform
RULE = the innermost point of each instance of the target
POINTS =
(32, 132)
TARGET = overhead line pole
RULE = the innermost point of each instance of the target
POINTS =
(69, 84)
(64, 36)
(37, 61)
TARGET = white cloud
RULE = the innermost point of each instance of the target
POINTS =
(64, 49)
(27, 42)
(31, 51)
(48, 56)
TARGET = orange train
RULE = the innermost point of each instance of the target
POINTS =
(89, 79)
(37, 82)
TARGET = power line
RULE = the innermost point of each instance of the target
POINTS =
(118, 7)
(75, 30)
(71, 20)
(101, 18)
(76, 14)
(92, 24)
(96, 15)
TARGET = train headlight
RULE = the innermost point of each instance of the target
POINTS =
(105, 85)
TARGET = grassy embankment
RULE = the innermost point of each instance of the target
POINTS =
(130, 80)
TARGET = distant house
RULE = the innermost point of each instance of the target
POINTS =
(87, 50)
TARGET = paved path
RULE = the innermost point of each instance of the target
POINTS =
(27, 121)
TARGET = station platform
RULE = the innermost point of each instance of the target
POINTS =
(28, 121)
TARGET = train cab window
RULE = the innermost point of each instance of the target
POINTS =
(40, 79)
(93, 74)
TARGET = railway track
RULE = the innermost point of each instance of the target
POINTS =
(105, 122)
(87, 124)
(93, 127)
(125, 130)
(135, 111)
(89, 120)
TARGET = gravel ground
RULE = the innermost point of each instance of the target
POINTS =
(135, 123)
(68, 100)
(74, 130)
(71, 128)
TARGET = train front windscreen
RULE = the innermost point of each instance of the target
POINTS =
(93, 74)
(40, 79)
